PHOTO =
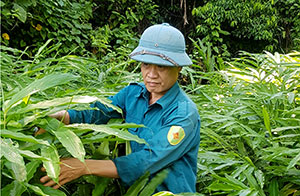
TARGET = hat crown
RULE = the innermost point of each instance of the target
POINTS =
(161, 44)
(164, 37)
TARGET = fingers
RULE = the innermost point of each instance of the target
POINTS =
(70, 169)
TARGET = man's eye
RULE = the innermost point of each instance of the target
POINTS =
(161, 67)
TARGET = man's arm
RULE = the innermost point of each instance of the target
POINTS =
(62, 116)
(71, 169)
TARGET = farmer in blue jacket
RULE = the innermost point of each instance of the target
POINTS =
(172, 123)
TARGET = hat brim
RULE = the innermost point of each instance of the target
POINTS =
(181, 58)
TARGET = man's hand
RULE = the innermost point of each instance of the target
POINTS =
(70, 169)
(62, 115)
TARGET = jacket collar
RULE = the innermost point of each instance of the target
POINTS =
(166, 99)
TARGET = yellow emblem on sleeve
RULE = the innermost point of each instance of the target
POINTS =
(175, 135)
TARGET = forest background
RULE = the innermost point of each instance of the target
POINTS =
(245, 78)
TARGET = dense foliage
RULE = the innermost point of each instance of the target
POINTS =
(65, 54)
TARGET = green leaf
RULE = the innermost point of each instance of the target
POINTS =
(125, 126)
(13, 189)
(294, 161)
(215, 186)
(29, 154)
(21, 13)
(138, 185)
(110, 131)
(157, 180)
(291, 97)
(22, 137)
(11, 153)
(67, 138)
(273, 188)
(100, 186)
(285, 128)
(267, 120)
(66, 101)
(42, 48)
(36, 86)
(31, 168)
(50, 191)
(36, 189)
(52, 167)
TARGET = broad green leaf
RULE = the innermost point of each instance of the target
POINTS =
(253, 183)
(11, 153)
(52, 167)
(138, 185)
(291, 97)
(273, 188)
(29, 154)
(231, 182)
(100, 185)
(210, 133)
(42, 48)
(103, 149)
(260, 178)
(31, 168)
(153, 184)
(66, 101)
(36, 189)
(110, 131)
(21, 13)
(38, 85)
(125, 126)
(67, 138)
(294, 161)
(50, 191)
(285, 128)
(13, 189)
(22, 137)
(267, 120)
(234, 181)
(71, 142)
(215, 186)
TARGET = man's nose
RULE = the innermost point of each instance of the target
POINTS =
(152, 71)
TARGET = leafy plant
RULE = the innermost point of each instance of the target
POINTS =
(30, 23)
(250, 126)
(30, 91)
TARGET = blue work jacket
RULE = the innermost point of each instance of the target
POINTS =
(176, 150)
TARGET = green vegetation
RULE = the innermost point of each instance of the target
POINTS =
(63, 54)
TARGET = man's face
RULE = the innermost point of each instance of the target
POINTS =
(159, 79)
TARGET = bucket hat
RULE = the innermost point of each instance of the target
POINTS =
(161, 44)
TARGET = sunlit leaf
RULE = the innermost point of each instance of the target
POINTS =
(36, 189)
(294, 161)
(13, 189)
(22, 137)
(155, 181)
(138, 185)
(38, 85)
(67, 138)
(52, 167)
(110, 131)
(11, 153)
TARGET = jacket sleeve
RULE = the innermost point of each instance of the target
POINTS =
(99, 113)
(160, 153)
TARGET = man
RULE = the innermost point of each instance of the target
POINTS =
(172, 123)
